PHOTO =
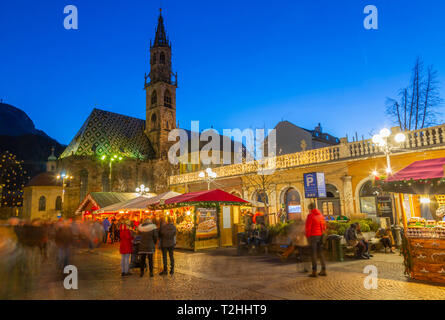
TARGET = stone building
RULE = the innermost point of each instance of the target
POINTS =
(116, 153)
(43, 194)
(348, 168)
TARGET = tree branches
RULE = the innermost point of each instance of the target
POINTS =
(417, 104)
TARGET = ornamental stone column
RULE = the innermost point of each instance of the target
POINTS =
(348, 196)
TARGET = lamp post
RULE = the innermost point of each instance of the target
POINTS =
(142, 190)
(64, 177)
(387, 143)
(111, 159)
(208, 175)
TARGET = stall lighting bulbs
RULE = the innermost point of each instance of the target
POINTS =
(425, 200)
(375, 173)
(202, 174)
(188, 213)
(388, 170)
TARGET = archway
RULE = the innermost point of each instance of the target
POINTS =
(292, 203)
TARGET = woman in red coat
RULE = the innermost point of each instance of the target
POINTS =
(125, 248)
(315, 227)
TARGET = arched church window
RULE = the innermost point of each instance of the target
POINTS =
(167, 99)
(58, 206)
(83, 184)
(162, 58)
(154, 120)
(42, 203)
(154, 98)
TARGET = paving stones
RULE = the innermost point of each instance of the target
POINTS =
(219, 274)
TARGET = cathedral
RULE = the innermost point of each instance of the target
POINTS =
(117, 153)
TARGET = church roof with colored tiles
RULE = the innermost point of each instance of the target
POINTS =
(107, 133)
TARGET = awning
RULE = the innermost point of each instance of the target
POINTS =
(420, 177)
(207, 196)
(136, 204)
(420, 170)
(98, 200)
(139, 203)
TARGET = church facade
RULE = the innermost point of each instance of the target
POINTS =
(116, 153)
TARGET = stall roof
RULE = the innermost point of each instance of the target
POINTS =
(139, 203)
(104, 199)
(425, 169)
(206, 196)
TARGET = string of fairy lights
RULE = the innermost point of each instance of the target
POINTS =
(13, 178)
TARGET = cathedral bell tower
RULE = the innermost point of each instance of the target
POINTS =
(160, 93)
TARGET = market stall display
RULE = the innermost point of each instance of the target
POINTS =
(419, 192)
(204, 219)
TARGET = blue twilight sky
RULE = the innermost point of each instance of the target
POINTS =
(241, 63)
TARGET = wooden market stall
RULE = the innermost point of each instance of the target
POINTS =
(204, 219)
(419, 192)
(136, 208)
(97, 200)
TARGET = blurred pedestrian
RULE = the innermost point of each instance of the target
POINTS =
(64, 238)
(167, 235)
(149, 237)
(106, 225)
(315, 228)
(125, 248)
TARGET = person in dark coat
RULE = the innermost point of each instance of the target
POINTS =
(167, 234)
(147, 247)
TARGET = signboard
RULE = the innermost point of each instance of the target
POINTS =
(314, 185)
(206, 223)
(294, 209)
(226, 218)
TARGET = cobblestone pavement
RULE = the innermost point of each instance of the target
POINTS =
(219, 274)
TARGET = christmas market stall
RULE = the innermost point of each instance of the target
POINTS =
(419, 192)
(137, 208)
(204, 219)
(96, 200)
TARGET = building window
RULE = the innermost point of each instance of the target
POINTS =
(167, 99)
(42, 203)
(153, 120)
(154, 58)
(154, 98)
(331, 204)
(83, 184)
(162, 58)
(59, 203)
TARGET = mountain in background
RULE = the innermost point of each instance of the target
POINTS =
(19, 136)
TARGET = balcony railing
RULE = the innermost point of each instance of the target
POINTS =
(417, 139)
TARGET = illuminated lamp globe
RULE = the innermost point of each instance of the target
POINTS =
(385, 133)
(376, 138)
(400, 137)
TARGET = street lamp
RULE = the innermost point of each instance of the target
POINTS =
(111, 159)
(142, 190)
(208, 175)
(64, 177)
(386, 144)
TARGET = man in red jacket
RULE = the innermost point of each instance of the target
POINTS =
(315, 227)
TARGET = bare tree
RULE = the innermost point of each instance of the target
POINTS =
(416, 107)
(261, 180)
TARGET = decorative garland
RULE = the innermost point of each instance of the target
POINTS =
(421, 186)
(202, 204)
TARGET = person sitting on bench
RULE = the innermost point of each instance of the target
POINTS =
(353, 241)
(386, 238)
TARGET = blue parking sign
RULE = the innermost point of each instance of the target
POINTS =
(314, 185)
